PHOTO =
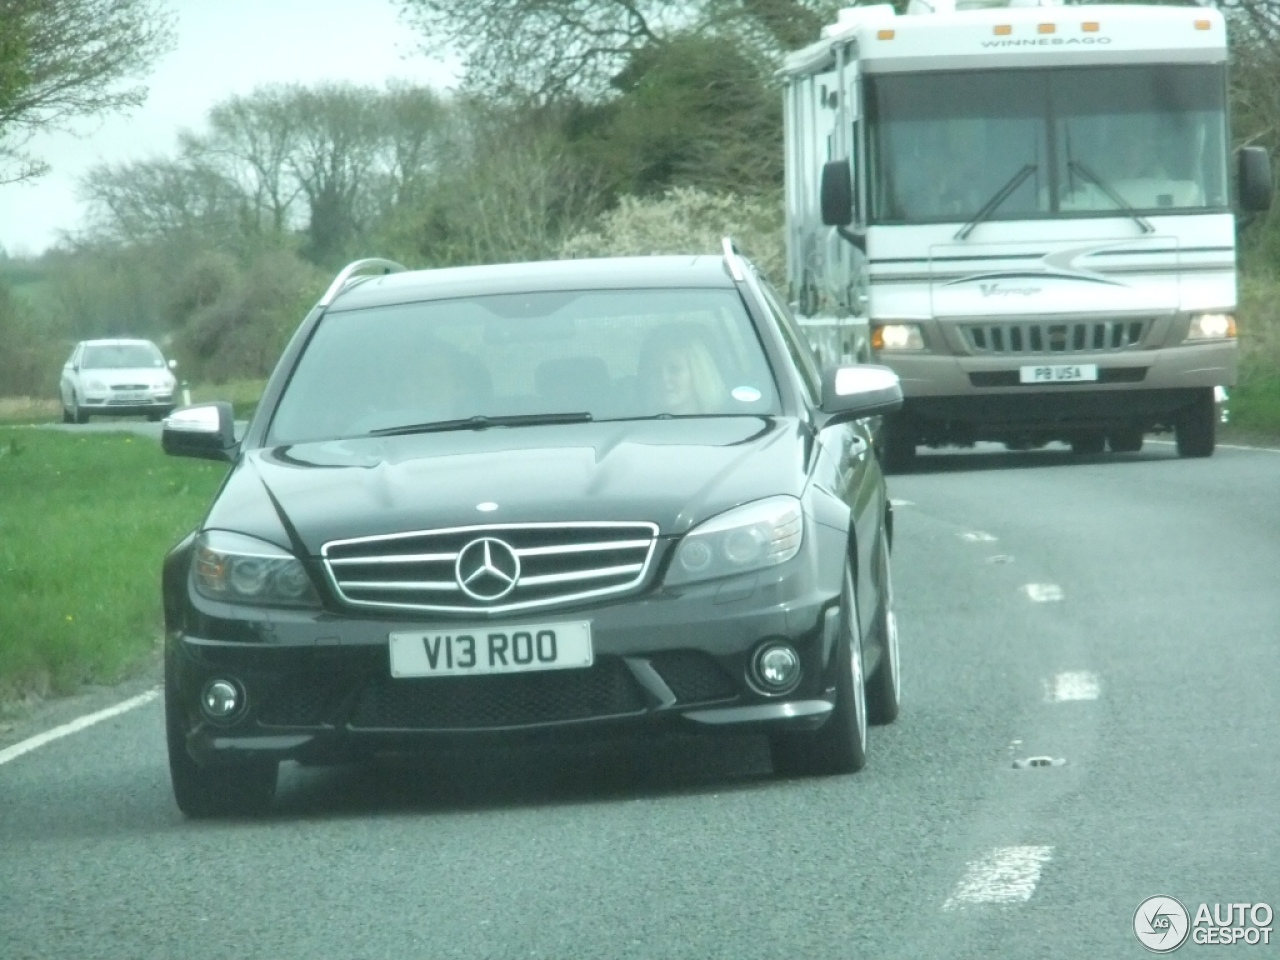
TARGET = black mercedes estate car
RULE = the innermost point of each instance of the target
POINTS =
(542, 500)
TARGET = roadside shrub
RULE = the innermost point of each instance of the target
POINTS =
(688, 220)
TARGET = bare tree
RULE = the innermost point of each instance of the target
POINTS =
(64, 59)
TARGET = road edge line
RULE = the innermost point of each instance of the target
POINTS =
(75, 726)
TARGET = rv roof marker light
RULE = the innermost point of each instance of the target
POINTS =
(1046, 28)
(1089, 26)
(1002, 30)
(1203, 25)
(884, 35)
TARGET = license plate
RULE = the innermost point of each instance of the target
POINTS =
(472, 651)
(1060, 373)
(135, 397)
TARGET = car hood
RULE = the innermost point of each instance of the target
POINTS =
(674, 473)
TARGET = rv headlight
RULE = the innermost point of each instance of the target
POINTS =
(1212, 326)
(897, 336)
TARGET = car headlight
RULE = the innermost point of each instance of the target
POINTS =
(1212, 326)
(897, 336)
(240, 569)
(751, 537)
(95, 386)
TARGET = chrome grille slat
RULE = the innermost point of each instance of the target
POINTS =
(408, 558)
(586, 575)
(1107, 335)
(558, 564)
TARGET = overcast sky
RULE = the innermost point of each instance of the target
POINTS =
(224, 47)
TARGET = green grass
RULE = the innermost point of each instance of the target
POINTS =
(85, 520)
(1255, 401)
(243, 394)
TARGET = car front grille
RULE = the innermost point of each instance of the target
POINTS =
(605, 689)
(490, 569)
(1091, 336)
(693, 677)
(298, 701)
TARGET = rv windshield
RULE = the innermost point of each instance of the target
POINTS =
(942, 143)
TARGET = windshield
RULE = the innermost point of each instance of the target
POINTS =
(121, 356)
(598, 355)
(944, 144)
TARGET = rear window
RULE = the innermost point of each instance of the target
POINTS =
(613, 354)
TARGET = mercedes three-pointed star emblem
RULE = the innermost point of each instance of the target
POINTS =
(487, 569)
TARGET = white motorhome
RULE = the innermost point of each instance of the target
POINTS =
(1026, 211)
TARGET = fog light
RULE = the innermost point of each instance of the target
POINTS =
(776, 668)
(221, 700)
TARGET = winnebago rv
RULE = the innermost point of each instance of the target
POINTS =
(1026, 212)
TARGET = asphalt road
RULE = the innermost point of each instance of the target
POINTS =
(1118, 614)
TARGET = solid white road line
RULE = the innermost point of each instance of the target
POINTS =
(1006, 875)
(1072, 685)
(1224, 446)
(1043, 592)
(75, 726)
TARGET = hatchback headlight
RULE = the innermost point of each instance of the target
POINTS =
(240, 569)
(897, 336)
(1212, 326)
(751, 537)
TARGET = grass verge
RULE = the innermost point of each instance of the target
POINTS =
(85, 520)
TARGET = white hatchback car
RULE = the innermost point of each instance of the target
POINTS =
(116, 378)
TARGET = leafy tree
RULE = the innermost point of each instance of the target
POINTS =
(550, 49)
(65, 59)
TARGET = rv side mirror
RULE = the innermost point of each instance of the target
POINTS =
(1254, 179)
(837, 194)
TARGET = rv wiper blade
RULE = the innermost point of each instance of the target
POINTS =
(1111, 193)
(482, 423)
(993, 204)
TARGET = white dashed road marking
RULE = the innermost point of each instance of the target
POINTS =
(1006, 875)
(900, 503)
(75, 726)
(1072, 685)
(1043, 592)
(977, 536)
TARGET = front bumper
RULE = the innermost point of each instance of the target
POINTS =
(105, 406)
(318, 686)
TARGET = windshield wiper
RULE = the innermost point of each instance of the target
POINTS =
(1111, 193)
(998, 198)
(483, 423)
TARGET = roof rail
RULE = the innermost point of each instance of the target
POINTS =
(351, 270)
(732, 259)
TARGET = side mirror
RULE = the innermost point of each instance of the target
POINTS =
(1254, 178)
(858, 391)
(206, 431)
(837, 194)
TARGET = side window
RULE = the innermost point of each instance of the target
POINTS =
(797, 345)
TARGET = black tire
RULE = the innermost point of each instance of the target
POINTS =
(155, 416)
(1088, 444)
(1125, 440)
(840, 745)
(66, 416)
(78, 415)
(884, 686)
(226, 790)
(1196, 428)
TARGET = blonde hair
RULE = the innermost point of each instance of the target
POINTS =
(687, 340)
